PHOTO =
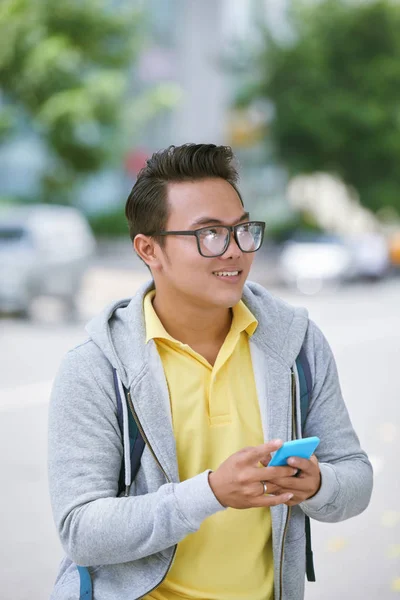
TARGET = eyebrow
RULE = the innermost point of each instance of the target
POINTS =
(209, 220)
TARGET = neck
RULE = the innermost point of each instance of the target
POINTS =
(191, 324)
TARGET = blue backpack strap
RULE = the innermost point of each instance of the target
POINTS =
(121, 480)
(86, 590)
(305, 380)
(119, 403)
(304, 372)
(137, 446)
(310, 571)
(136, 442)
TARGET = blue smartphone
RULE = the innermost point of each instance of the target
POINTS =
(303, 448)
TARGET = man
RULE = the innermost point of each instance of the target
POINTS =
(209, 365)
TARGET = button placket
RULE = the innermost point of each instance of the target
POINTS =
(219, 399)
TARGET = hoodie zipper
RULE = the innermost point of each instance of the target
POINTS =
(293, 436)
(131, 408)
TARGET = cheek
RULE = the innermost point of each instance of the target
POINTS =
(186, 265)
(193, 280)
(248, 261)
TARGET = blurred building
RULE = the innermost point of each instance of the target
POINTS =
(187, 44)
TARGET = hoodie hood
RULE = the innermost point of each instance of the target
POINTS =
(120, 332)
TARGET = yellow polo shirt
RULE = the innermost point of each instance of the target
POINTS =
(215, 412)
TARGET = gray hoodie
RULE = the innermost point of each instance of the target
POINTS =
(129, 543)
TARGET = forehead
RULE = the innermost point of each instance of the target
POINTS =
(192, 200)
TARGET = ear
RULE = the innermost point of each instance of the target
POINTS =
(146, 248)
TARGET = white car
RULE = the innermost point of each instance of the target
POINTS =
(310, 261)
(371, 255)
(44, 251)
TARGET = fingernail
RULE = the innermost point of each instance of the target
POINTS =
(277, 442)
(291, 461)
(289, 496)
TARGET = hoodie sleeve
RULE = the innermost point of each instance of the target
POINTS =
(346, 473)
(84, 460)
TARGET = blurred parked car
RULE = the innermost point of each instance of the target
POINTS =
(309, 261)
(371, 257)
(44, 251)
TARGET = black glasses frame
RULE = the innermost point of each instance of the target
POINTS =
(230, 229)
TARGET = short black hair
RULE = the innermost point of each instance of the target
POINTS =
(147, 207)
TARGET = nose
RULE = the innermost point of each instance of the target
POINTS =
(233, 250)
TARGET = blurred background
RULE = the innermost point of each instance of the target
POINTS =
(307, 94)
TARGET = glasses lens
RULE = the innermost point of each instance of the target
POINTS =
(250, 236)
(213, 240)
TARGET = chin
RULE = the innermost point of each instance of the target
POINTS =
(228, 299)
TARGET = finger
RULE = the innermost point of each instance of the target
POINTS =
(297, 497)
(294, 501)
(264, 462)
(293, 484)
(272, 500)
(305, 465)
(274, 489)
(260, 453)
(269, 473)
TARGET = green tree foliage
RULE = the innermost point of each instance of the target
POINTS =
(335, 88)
(63, 72)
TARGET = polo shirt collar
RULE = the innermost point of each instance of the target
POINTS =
(154, 327)
(243, 320)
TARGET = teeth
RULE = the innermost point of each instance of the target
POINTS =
(226, 273)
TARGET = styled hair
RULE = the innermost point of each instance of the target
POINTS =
(147, 205)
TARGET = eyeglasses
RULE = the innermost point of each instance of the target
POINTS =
(214, 241)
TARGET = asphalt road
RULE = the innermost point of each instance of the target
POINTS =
(355, 560)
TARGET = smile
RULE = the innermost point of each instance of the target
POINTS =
(227, 273)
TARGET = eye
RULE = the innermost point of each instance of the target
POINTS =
(211, 232)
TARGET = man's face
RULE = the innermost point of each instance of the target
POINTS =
(182, 269)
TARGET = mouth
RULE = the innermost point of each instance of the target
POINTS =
(228, 276)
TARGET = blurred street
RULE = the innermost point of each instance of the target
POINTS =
(355, 560)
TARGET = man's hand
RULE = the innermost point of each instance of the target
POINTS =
(238, 482)
(304, 486)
